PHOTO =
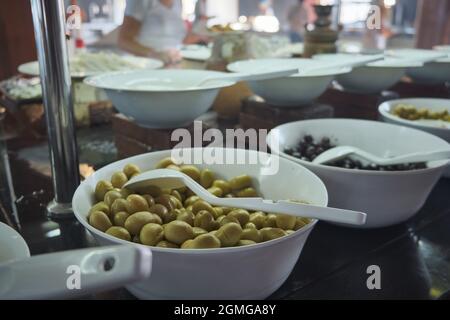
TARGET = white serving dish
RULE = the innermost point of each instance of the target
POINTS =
(431, 73)
(32, 68)
(12, 246)
(251, 272)
(373, 77)
(292, 91)
(160, 98)
(388, 198)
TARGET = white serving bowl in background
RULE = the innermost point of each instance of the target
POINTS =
(160, 98)
(249, 272)
(292, 91)
(431, 73)
(437, 128)
(12, 246)
(373, 77)
(387, 198)
(445, 48)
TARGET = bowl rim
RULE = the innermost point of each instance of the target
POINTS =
(353, 171)
(335, 71)
(82, 219)
(385, 108)
(18, 240)
(96, 81)
(387, 63)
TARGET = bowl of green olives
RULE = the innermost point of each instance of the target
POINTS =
(197, 248)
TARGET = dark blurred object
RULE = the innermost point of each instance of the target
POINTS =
(100, 112)
(432, 23)
(320, 37)
(258, 114)
(408, 89)
(353, 105)
(132, 139)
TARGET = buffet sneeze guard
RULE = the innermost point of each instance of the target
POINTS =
(49, 28)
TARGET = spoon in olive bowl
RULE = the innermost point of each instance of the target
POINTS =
(340, 152)
(167, 178)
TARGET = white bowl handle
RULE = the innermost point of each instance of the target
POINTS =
(74, 273)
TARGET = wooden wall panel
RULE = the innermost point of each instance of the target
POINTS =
(16, 36)
(433, 23)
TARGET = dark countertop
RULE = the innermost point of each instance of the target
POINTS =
(414, 257)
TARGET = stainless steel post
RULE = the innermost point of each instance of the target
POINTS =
(49, 28)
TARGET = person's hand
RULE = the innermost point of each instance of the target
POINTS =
(171, 56)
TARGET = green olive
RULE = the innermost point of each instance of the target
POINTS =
(204, 241)
(125, 192)
(300, 223)
(240, 182)
(173, 167)
(178, 232)
(251, 234)
(191, 171)
(190, 201)
(177, 195)
(271, 221)
(250, 225)
(131, 170)
(223, 220)
(247, 193)
(167, 244)
(119, 232)
(136, 221)
(227, 210)
(118, 179)
(136, 203)
(150, 200)
(120, 218)
(242, 243)
(199, 231)
(119, 205)
(218, 212)
(258, 219)
(99, 220)
(101, 189)
(112, 196)
(285, 221)
(186, 216)
(100, 206)
(223, 185)
(151, 234)
(229, 234)
(164, 163)
(242, 215)
(205, 220)
(154, 191)
(272, 233)
(201, 205)
(215, 191)
(206, 178)
(168, 201)
(159, 209)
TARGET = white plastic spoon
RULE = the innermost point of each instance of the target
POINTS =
(166, 178)
(259, 75)
(48, 276)
(340, 152)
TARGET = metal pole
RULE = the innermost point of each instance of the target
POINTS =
(49, 28)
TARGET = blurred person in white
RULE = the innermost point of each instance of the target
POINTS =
(298, 18)
(154, 28)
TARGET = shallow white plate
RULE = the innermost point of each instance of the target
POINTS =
(12, 245)
(32, 68)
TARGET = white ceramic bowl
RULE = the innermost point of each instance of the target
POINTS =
(251, 272)
(388, 198)
(373, 77)
(160, 98)
(295, 90)
(12, 245)
(431, 73)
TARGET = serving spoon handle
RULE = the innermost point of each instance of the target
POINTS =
(166, 178)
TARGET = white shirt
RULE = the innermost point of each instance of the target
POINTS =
(162, 27)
